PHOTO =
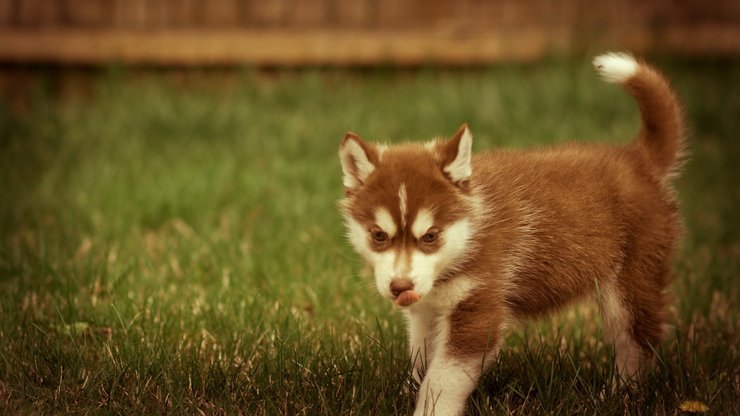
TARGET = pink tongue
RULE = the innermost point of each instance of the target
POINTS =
(407, 297)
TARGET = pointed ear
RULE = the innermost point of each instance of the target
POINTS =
(457, 155)
(359, 160)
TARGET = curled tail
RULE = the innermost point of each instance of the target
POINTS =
(661, 138)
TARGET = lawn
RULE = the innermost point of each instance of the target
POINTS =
(170, 243)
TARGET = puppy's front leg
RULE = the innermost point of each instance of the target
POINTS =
(421, 327)
(464, 347)
(447, 384)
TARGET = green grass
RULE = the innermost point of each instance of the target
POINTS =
(171, 244)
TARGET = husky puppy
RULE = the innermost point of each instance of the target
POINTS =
(467, 244)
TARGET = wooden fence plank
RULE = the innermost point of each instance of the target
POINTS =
(272, 13)
(309, 13)
(6, 12)
(181, 13)
(87, 13)
(130, 14)
(222, 13)
(319, 47)
(401, 14)
(275, 47)
(37, 13)
(352, 13)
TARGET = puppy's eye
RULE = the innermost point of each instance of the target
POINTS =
(378, 235)
(430, 237)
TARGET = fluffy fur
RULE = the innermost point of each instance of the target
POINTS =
(468, 243)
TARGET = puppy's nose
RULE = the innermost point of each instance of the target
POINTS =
(401, 285)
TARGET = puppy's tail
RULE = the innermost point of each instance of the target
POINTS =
(661, 138)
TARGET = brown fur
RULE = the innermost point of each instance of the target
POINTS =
(583, 211)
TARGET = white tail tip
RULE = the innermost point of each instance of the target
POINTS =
(616, 67)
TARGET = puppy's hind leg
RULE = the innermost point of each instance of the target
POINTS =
(633, 311)
(617, 322)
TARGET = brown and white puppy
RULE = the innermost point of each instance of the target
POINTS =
(467, 244)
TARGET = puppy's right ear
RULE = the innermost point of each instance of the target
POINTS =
(359, 160)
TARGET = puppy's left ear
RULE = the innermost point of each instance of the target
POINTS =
(456, 157)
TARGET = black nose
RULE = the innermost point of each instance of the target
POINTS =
(401, 285)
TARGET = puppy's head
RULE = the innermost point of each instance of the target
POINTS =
(407, 210)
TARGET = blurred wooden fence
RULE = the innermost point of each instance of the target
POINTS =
(356, 32)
